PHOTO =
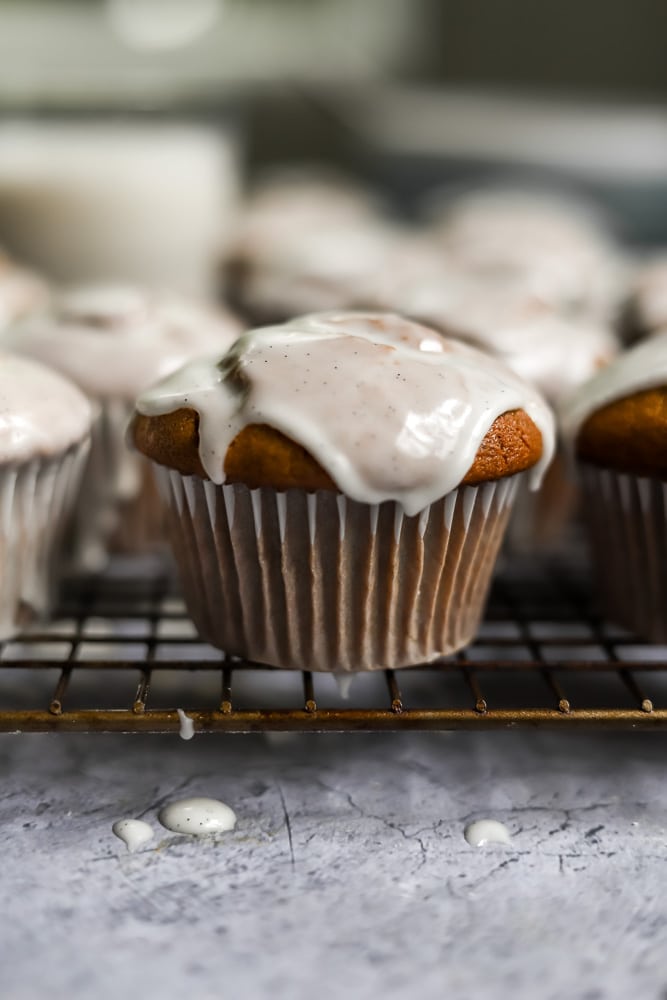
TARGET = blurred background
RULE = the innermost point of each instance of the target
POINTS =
(160, 111)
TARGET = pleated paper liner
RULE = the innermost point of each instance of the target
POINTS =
(627, 521)
(117, 509)
(36, 499)
(546, 519)
(314, 581)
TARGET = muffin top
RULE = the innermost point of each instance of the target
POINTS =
(554, 244)
(618, 419)
(41, 413)
(373, 405)
(114, 340)
(21, 292)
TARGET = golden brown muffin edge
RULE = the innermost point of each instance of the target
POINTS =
(262, 456)
(628, 435)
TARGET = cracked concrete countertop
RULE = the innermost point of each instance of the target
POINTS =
(348, 874)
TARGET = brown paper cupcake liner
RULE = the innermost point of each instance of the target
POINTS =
(544, 518)
(315, 581)
(627, 521)
(36, 499)
(118, 508)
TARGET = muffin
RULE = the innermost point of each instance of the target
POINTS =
(21, 292)
(45, 426)
(114, 341)
(305, 242)
(338, 487)
(554, 245)
(617, 427)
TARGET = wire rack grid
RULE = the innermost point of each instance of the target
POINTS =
(121, 655)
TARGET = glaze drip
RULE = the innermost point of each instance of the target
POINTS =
(388, 408)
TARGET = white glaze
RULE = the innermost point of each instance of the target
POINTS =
(187, 726)
(133, 832)
(486, 831)
(555, 244)
(388, 408)
(113, 341)
(344, 683)
(197, 816)
(505, 315)
(41, 413)
(642, 367)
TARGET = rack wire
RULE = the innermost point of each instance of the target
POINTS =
(121, 655)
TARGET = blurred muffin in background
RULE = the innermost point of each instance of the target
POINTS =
(556, 246)
(22, 292)
(45, 424)
(306, 241)
(113, 341)
(616, 426)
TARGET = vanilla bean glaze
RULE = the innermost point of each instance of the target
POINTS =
(388, 408)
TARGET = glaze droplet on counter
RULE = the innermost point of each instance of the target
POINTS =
(133, 832)
(344, 386)
(187, 726)
(198, 816)
(486, 831)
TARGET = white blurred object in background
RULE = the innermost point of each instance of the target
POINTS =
(90, 201)
(162, 24)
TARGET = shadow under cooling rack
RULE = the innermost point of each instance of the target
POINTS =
(122, 656)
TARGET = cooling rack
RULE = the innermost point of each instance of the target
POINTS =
(121, 655)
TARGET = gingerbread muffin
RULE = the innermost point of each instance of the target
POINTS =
(617, 427)
(45, 426)
(113, 341)
(338, 488)
(555, 245)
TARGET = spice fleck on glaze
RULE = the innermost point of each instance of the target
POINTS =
(133, 832)
(198, 817)
(388, 408)
(486, 831)
(187, 726)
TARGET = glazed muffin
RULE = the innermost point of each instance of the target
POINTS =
(114, 341)
(22, 292)
(305, 242)
(45, 426)
(617, 427)
(338, 487)
(558, 249)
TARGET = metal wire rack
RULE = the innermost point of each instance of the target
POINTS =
(121, 655)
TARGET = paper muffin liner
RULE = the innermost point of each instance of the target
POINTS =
(118, 508)
(36, 499)
(543, 518)
(627, 522)
(315, 581)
